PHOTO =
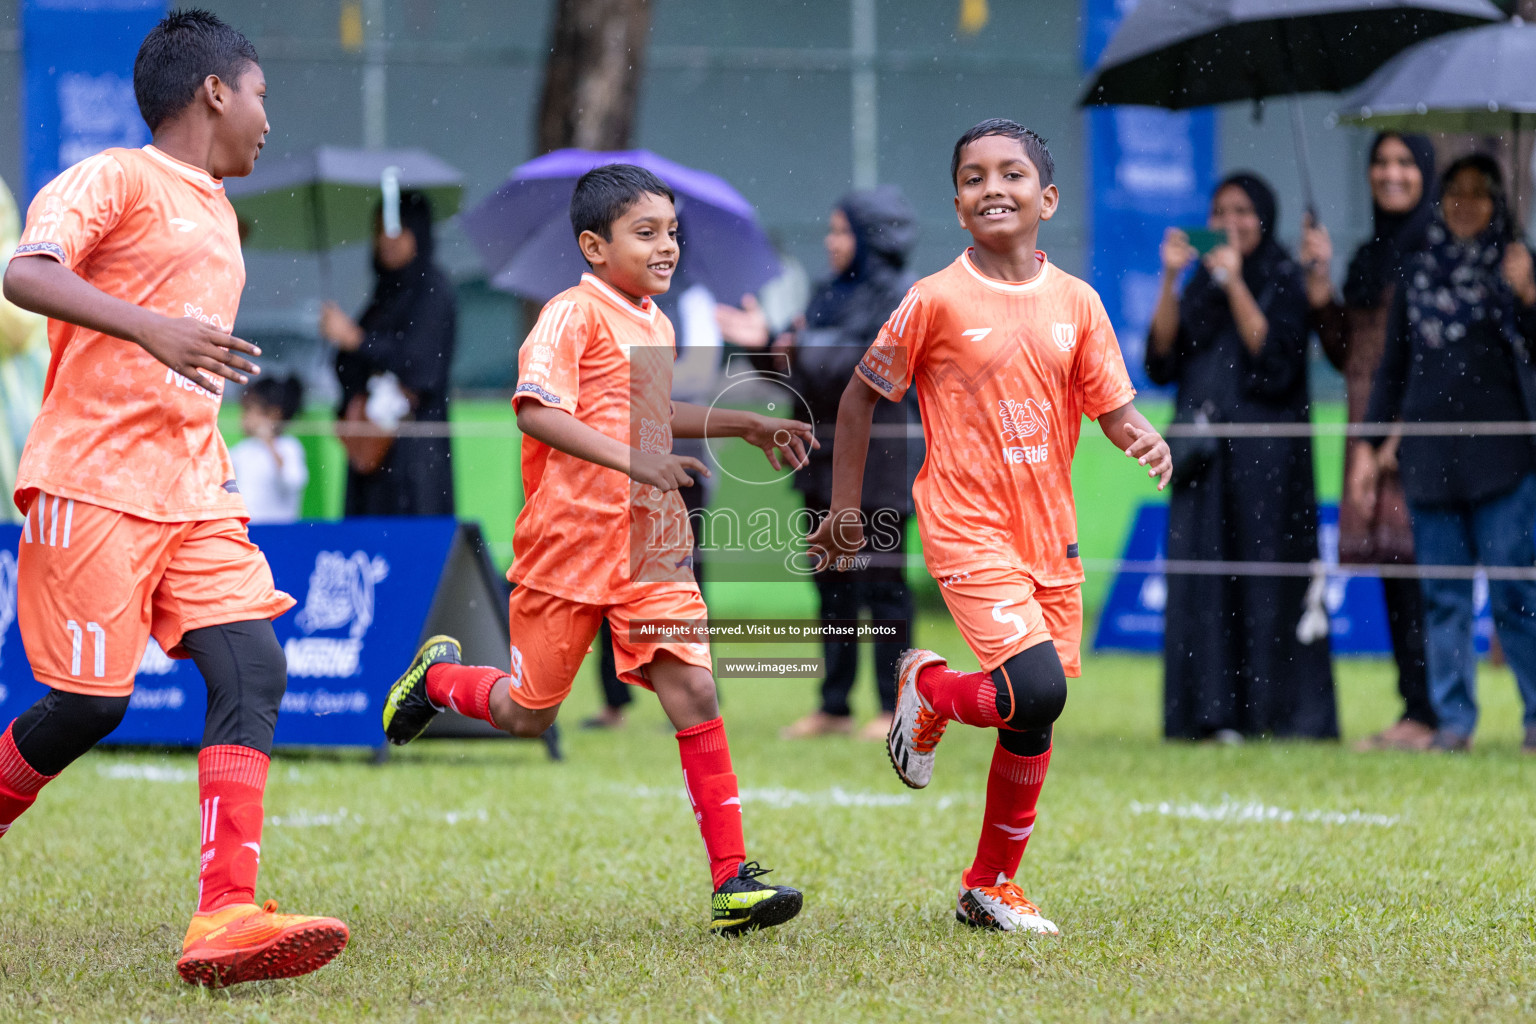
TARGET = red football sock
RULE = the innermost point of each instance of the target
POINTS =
(19, 782)
(464, 688)
(968, 697)
(711, 787)
(1013, 787)
(231, 781)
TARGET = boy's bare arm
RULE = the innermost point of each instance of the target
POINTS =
(46, 286)
(842, 532)
(1132, 434)
(773, 436)
(564, 432)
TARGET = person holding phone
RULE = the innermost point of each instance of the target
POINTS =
(1458, 349)
(1353, 331)
(1234, 344)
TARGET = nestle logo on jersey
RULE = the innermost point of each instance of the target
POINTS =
(1025, 421)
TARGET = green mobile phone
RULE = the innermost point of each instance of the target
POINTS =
(1205, 239)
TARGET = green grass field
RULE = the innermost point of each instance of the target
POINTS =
(1191, 883)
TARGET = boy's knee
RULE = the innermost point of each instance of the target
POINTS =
(246, 673)
(59, 728)
(1031, 688)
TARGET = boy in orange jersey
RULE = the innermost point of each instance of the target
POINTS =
(604, 531)
(1007, 353)
(134, 526)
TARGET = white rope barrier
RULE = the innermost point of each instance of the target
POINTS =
(508, 430)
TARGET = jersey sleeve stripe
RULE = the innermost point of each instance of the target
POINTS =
(565, 318)
(89, 169)
(908, 304)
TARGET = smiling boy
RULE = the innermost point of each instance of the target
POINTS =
(1007, 354)
(604, 532)
(134, 526)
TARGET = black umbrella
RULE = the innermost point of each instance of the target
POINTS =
(1193, 53)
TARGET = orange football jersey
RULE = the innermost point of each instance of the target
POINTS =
(118, 428)
(588, 533)
(1004, 375)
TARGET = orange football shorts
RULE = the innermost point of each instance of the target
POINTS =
(551, 636)
(93, 584)
(1001, 612)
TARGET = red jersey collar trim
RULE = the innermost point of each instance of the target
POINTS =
(646, 311)
(1008, 287)
(196, 175)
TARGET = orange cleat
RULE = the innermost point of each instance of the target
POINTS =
(244, 942)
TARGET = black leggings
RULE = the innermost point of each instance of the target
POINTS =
(1031, 693)
(242, 665)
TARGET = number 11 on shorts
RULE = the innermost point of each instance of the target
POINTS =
(77, 641)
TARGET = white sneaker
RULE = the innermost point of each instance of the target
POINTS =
(917, 728)
(1001, 907)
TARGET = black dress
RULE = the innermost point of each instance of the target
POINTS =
(1232, 660)
(409, 330)
(843, 318)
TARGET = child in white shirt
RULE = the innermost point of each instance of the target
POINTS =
(270, 469)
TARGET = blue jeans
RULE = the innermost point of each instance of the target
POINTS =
(1494, 531)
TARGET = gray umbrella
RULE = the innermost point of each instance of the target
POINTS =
(324, 197)
(1193, 53)
(1482, 80)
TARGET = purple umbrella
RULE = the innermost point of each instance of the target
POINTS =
(523, 229)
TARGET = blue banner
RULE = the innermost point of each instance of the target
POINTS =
(77, 80)
(364, 587)
(1132, 619)
(1149, 170)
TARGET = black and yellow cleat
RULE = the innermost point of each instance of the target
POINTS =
(407, 711)
(743, 904)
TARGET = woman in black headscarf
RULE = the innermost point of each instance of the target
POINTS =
(1458, 349)
(1401, 175)
(870, 234)
(407, 332)
(1241, 656)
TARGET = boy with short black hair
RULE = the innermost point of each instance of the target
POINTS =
(134, 526)
(1007, 354)
(604, 532)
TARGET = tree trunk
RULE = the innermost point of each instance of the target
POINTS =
(592, 80)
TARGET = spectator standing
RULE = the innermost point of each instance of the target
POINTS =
(1458, 348)
(403, 342)
(270, 467)
(870, 234)
(1235, 345)
(1353, 331)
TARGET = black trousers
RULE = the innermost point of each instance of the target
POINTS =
(1405, 622)
(883, 591)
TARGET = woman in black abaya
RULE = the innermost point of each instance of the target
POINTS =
(1235, 345)
(407, 331)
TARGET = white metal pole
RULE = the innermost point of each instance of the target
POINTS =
(865, 122)
(375, 110)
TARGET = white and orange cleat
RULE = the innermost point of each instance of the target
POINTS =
(244, 942)
(916, 728)
(1001, 907)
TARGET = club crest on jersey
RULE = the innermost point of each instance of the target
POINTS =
(1064, 335)
(1025, 421)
